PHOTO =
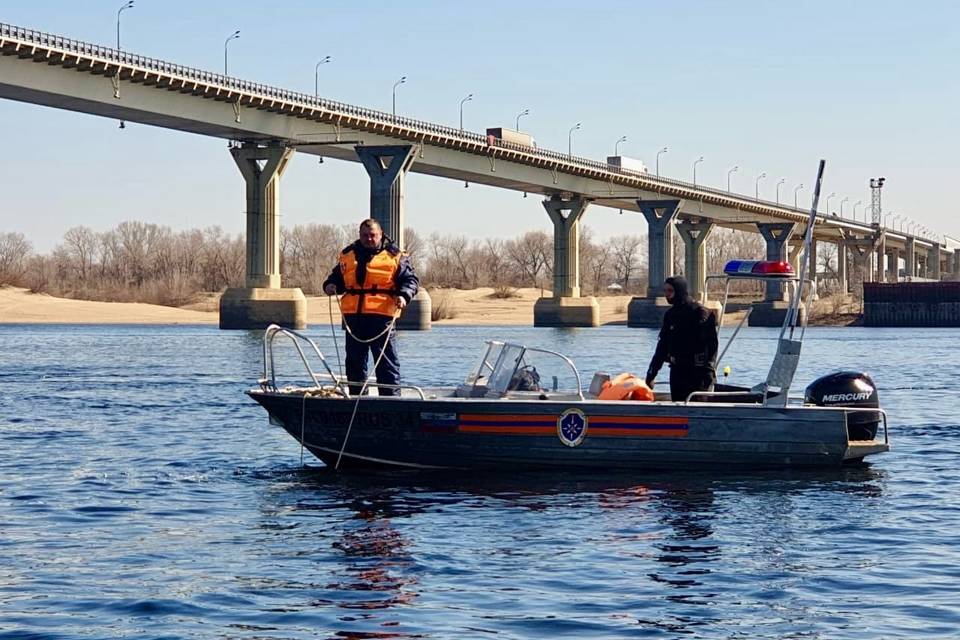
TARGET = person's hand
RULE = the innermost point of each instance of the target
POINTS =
(401, 302)
(649, 380)
(330, 289)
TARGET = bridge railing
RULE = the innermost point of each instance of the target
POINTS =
(417, 126)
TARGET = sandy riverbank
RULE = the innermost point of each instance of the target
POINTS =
(464, 307)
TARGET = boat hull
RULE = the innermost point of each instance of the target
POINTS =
(536, 434)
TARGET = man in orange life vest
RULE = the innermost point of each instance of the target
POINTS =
(377, 281)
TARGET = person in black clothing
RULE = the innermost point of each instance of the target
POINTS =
(688, 341)
(377, 281)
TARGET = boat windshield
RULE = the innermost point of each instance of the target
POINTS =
(480, 373)
(509, 367)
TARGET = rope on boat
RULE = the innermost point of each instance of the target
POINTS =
(333, 331)
(356, 405)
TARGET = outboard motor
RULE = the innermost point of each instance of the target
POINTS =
(848, 389)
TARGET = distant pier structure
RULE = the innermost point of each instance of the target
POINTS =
(911, 304)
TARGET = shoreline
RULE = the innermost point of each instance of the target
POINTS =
(474, 307)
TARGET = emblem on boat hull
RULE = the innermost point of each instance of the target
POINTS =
(572, 427)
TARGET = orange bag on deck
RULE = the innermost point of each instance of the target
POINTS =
(626, 386)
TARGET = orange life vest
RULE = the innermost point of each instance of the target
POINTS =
(378, 293)
(625, 386)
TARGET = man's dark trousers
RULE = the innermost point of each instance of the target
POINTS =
(365, 326)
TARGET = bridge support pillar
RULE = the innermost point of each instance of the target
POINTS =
(881, 256)
(694, 235)
(910, 259)
(387, 167)
(262, 302)
(566, 308)
(660, 214)
(893, 264)
(842, 285)
(933, 262)
(862, 250)
(956, 264)
(773, 309)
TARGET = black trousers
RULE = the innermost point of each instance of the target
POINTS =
(366, 326)
(686, 380)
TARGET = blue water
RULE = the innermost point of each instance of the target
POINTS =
(142, 494)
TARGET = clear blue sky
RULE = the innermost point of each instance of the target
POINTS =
(769, 86)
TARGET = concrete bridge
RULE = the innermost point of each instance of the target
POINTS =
(267, 124)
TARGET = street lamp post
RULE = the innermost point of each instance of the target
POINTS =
(233, 36)
(779, 182)
(842, 202)
(659, 153)
(756, 185)
(885, 216)
(467, 98)
(855, 205)
(525, 112)
(127, 5)
(796, 190)
(695, 163)
(316, 76)
(832, 195)
(402, 80)
(732, 169)
(570, 139)
(616, 145)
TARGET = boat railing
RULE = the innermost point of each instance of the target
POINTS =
(339, 383)
(269, 380)
(883, 414)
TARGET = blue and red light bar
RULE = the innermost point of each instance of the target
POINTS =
(759, 269)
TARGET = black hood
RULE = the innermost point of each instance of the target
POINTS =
(681, 291)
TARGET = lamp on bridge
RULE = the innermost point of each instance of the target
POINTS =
(402, 80)
(659, 153)
(733, 169)
(756, 185)
(832, 195)
(695, 163)
(126, 5)
(779, 182)
(845, 199)
(525, 112)
(468, 98)
(316, 76)
(233, 36)
(855, 205)
(796, 190)
(570, 139)
(616, 145)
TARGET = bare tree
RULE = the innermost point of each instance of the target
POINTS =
(626, 258)
(15, 249)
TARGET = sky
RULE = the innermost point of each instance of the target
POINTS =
(771, 87)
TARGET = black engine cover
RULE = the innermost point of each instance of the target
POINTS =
(848, 389)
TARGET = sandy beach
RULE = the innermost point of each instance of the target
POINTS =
(463, 307)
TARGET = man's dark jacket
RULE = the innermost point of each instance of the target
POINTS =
(688, 338)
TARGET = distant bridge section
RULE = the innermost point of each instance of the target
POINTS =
(268, 123)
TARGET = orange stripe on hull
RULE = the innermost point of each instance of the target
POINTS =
(636, 433)
(509, 431)
(638, 420)
(504, 417)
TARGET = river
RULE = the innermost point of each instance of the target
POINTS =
(142, 494)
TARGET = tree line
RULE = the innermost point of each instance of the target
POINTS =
(144, 262)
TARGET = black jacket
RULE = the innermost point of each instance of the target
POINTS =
(688, 338)
(407, 282)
